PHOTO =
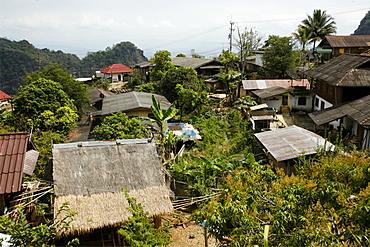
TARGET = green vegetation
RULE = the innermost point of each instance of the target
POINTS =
(317, 26)
(76, 91)
(44, 234)
(43, 105)
(139, 231)
(279, 57)
(120, 126)
(325, 204)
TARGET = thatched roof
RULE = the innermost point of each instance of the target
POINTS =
(91, 178)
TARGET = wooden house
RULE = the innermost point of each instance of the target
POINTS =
(143, 70)
(17, 157)
(333, 46)
(90, 176)
(353, 116)
(204, 67)
(283, 146)
(341, 80)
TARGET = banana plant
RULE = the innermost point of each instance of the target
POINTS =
(161, 118)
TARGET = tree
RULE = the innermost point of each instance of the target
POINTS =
(279, 57)
(246, 42)
(76, 90)
(318, 25)
(189, 100)
(303, 36)
(326, 203)
(139, 230)
(120, 126)
(187, 77)
(162, 63)
(45, 106)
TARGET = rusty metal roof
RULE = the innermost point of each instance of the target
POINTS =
(346, 41)
(262, 84)
(345, 70)
(270, 92)
(13, 149)
(290, 142)
(358, 110)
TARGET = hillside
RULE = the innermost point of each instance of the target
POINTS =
(20, 57)
(364, 27)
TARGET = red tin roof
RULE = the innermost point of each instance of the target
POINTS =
(4, 95)
(116, 68)
(13, 149)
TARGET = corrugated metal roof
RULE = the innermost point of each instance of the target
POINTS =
(194, 62)
(13, 149)
(290, 142)
(262, 84)
(270, 92)
(116, 68)
(358, 110)
(347, 41)
(130, 101)
(345, 70)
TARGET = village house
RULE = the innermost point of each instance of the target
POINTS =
(17, 157)
(90, 176)
(353, 116)
(283, 146)
(117, 73)
(295, 95)
(333, 46)
(341, 80)
(134, 104)
(143, 70)
(204, 67)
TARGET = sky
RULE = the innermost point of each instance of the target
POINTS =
(199, 26)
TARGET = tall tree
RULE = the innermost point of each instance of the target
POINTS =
(319, 25)
(45, 106)
(76, 90)
(279, 57)
(162, 63)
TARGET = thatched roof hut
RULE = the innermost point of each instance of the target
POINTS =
(90, 176)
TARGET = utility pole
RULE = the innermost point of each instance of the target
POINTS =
(231, 35)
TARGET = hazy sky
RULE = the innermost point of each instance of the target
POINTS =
(79, 26)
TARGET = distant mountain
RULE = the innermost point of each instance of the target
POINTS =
(364, 27)
(20, 57)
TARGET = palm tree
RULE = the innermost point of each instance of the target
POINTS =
(303, 36)
(319, 25)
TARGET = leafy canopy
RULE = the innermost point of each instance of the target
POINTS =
(279, 57)
(120, 126)
(45, 106)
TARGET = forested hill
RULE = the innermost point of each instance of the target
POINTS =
(20, 57)
(364, 27)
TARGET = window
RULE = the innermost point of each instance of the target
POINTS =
(341, 50)
(302, 101)
(322, 105)
(317, 102)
